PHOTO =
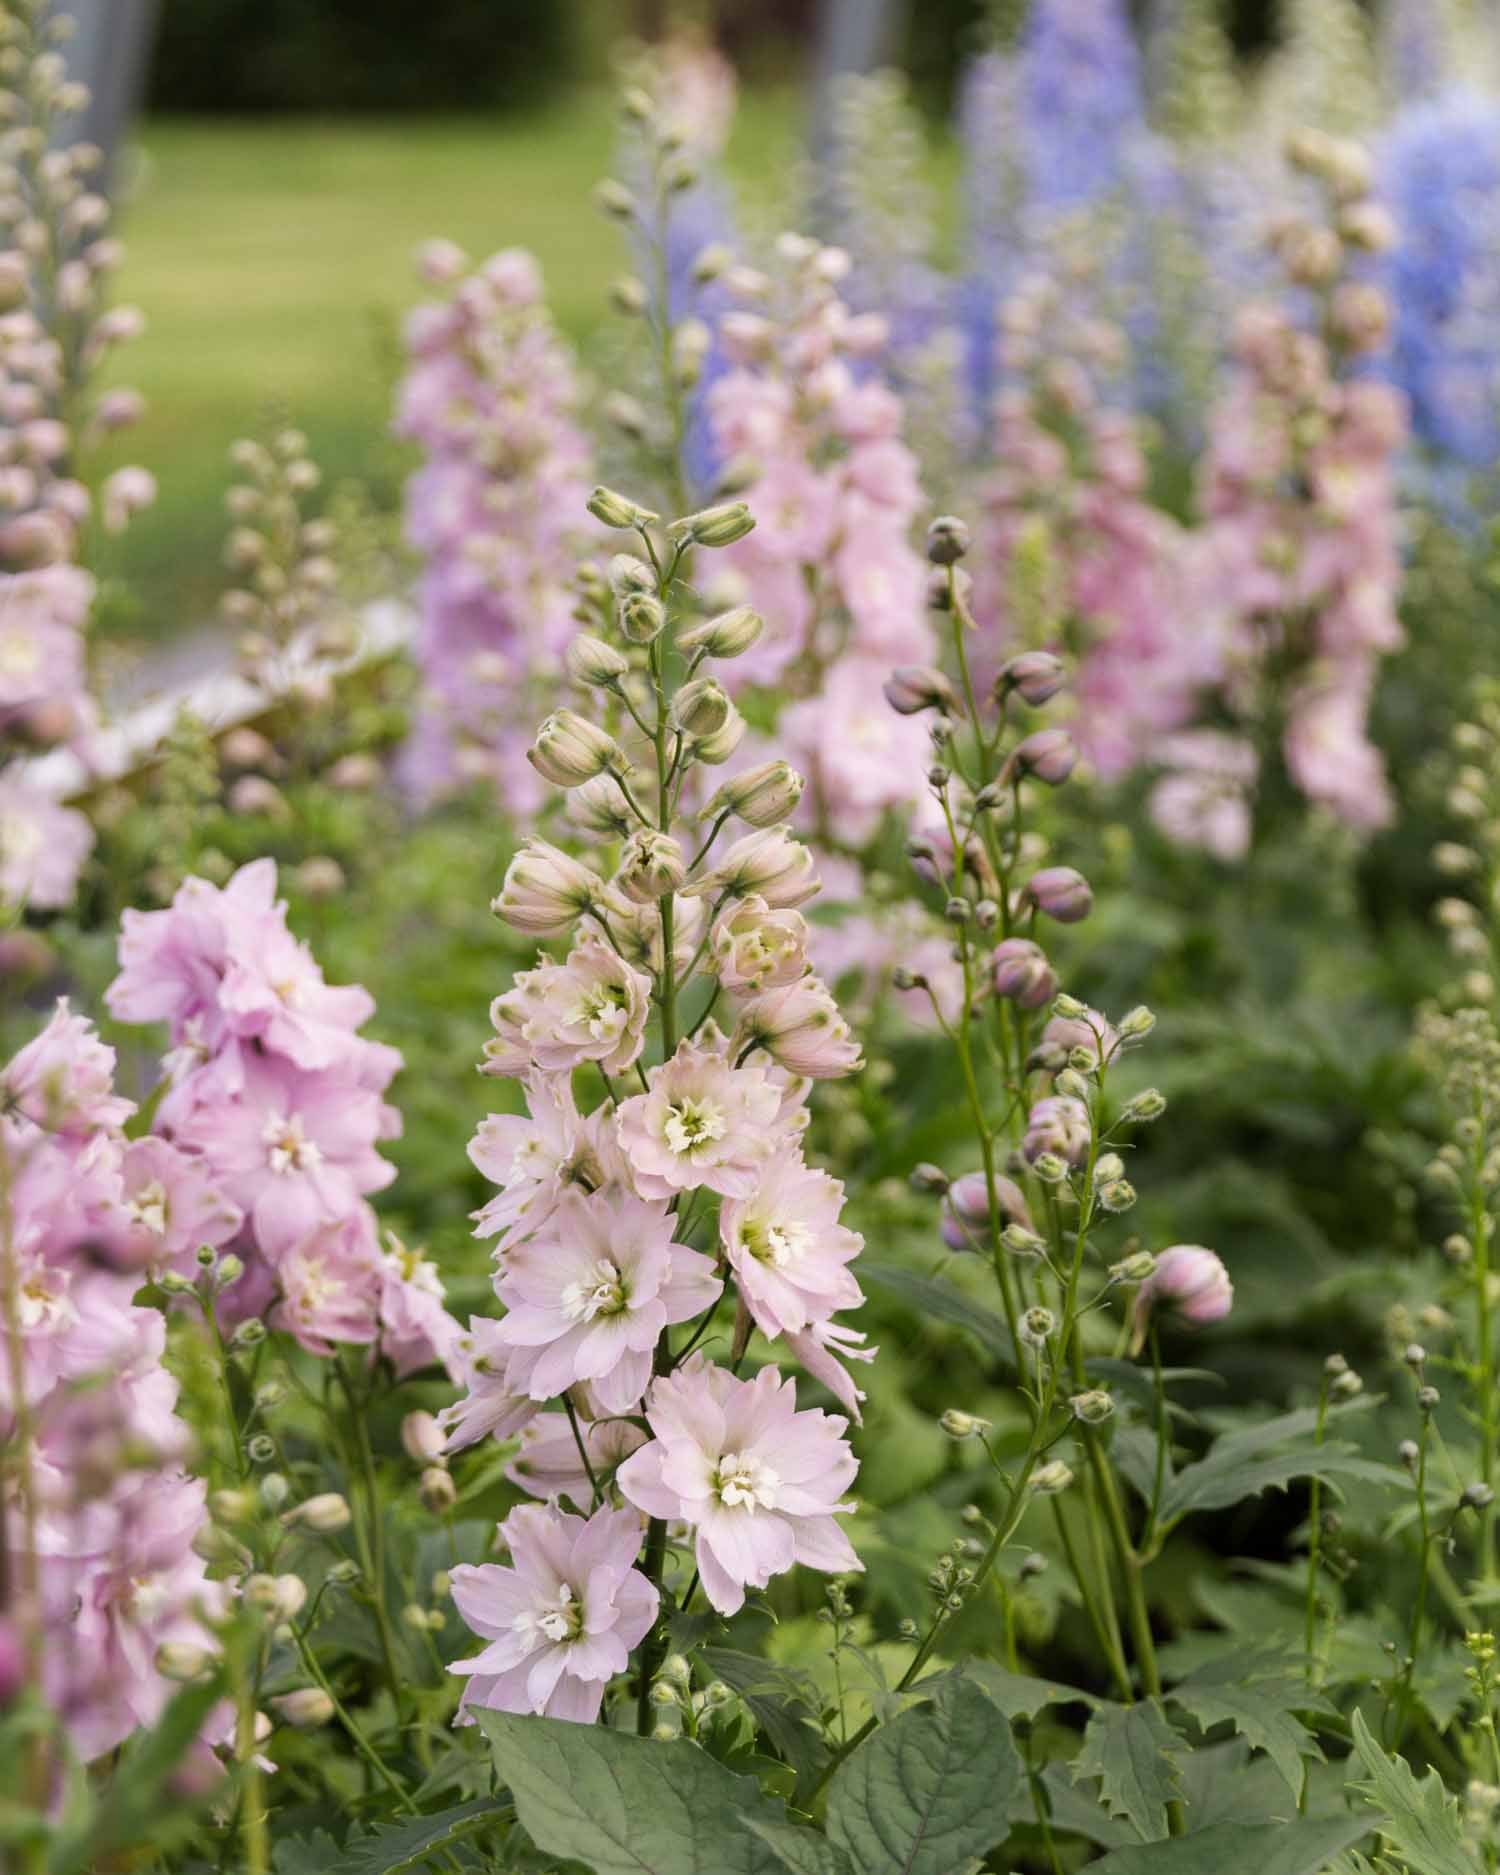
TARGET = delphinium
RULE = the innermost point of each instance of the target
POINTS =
(56, 330)
(105, 1600)
(655, 1211)
(1421, 43)
(1072, 554)
(674, 206)
(1296, 558)
(1323, 75)
(492, 396)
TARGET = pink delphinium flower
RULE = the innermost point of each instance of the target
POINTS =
(561, 1620)
(1206, 800)
(788, 1250)
(330, 1285)
(799, 1026)
(491, 1408)
(589, 1295)
(702, 1122)
(43, 846)
(1189, 1282)
(63, 1079)
(548, 1464)
(174, 1205)
(1057, 1124)
(758, 1482)
(591, 1008)
(535, 1158)
(754, 948)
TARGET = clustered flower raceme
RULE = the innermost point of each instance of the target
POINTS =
(271, 1124)
(281, 557)
(98, 1516)
(491, 395)
(807, 427)
(618, 1222)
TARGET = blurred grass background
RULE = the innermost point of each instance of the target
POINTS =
(273, 260)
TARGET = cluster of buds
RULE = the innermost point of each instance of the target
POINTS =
(281, 555)
(1470, 863)
(425, 1442)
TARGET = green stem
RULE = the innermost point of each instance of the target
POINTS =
(361, 1744)
(1314, 1550)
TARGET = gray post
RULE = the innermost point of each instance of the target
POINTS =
(853, 36)
(110, 52)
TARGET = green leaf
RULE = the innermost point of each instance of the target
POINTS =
(1225, 1477)
(1130, 1750)
(1300, 1848)
(1260, 1698)
(929, 1295)
(778, 1703)
(929, 1790)
(803, 1851)
(305, 1855)
(629, 1806)
(1419, 1820)
(402, 1846)
(1020, 1695)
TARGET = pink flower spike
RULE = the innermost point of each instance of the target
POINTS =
(561, 1621)
(758, 1482)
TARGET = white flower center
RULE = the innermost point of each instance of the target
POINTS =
(747, 1481)
(315, 1286)
(288, 1149)
(561, 1620)
(43, 1300)
(600, 1010)
(600, 1292)
(20, 837)
(20, 655)
(692, 1124)
(777, 1242)
(148, 1208)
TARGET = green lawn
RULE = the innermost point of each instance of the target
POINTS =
(273, 261)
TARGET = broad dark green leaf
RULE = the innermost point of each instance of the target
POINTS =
(1131, 1750)
(1300, 1848)
(1226, 1477)
(629, 1806)
(305, 1855)
(1020, 1695)
(410, 1844)
(1419, 1820)
(929, 1790)
(930, 1295)
(803, 1851)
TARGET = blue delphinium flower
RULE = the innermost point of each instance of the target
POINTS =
(1440, 173)
(1082, 99)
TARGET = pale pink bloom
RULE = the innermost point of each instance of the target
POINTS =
(592, 1008)
(754, 948)
(800, 1028)
(545, 891)
(1206, 803)
(416, 1329)
(702, 1122)
(860, 757)
(561, 1621)
(536, 1157)
(43, 846)
(294, 1149)
(1190, 1282)
(273, 989)
(491, 1408)
(758, 1482)
(822, 1348)
(1333, 761)
(548, 1464)
(173, 1205)
(330, 1285)
(63, 1079)
(589, 1295)
(788, 1250)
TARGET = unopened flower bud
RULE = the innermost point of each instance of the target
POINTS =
(1032, 1564)
(181, 1661)
(324, 1514)
(1347, 1385)
(651, 866)
(570, 750)
(592, 661)
(1021, 973)
(1049, 1479)
(642, 616)
(1022, 1242)
(629, 296)
(1049, 755)
(947, 540)
(916, 687)
(1135, 1268)
(719, 746)
(1144, 1107)
(960, 1425)
(1476, 1496)
(720, 526)
(1035, 677)
(422, 1438)
(1414, 1355)
(1409, 1452)
(1060, 893)
(700, 708)
(1049, 1168)
(726, 635)
(1093, 1407)
(927, 1178)
(763, 796)
(307, 1707)
(250, 1333)
(1115, 1195)
(437, 1490)
(1038, 1325)
(1427, 1398)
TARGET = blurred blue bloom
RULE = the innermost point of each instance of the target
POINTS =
(1082, 99)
